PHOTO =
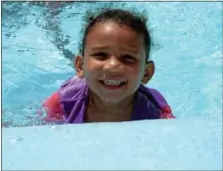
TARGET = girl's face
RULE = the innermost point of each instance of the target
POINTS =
(114, 61)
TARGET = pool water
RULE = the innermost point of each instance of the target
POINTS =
(38, 40)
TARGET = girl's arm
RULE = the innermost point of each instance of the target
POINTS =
(166, 113)
(53, 108)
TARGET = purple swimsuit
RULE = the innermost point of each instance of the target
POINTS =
(72, 99)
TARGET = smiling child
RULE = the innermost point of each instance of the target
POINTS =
(111, 71)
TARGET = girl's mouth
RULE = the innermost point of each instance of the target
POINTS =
(112, 84)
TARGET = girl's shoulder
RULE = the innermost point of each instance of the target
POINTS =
(73, 89)
(158, 100)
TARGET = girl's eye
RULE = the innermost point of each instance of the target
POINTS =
(128, 58)
(100, 55)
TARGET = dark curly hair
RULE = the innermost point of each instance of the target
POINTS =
(130, 19)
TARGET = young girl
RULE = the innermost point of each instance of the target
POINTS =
(110, 73)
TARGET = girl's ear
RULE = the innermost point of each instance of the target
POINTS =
(78, 65)
(149, 71)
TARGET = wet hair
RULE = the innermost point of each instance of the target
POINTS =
(134, 20)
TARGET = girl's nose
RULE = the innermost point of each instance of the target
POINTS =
(113, 64)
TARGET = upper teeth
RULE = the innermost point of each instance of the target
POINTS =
(112, 82)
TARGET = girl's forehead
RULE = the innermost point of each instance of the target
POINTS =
(110, 26)
(111, 31)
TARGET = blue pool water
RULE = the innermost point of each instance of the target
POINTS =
(37, 40)
(187, 52)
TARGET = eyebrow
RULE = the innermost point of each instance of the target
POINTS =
(133, 50)
(100, 47)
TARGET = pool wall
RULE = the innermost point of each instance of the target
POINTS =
(178, 144)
